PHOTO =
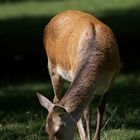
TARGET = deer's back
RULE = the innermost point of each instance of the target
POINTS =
(72, 31)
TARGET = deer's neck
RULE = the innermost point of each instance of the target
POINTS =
(80, 93)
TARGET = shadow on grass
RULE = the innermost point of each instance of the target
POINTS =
(23, 97)
(18, 102)
(21, 51)
(124, 103)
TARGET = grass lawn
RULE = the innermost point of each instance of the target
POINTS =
(22, 118)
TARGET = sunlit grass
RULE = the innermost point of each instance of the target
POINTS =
(34, 8)
(121, 134)
(32, 129)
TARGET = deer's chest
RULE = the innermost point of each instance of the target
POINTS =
(65, 74)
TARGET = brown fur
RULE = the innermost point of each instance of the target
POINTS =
(80, 43)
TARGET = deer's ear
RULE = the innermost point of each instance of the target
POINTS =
(46, 103)
(60, 110)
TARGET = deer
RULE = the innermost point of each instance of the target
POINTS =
(83, 51)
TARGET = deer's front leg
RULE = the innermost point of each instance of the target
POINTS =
(100, 111)
(57, 83)
(87, 115)
(83, 134)
(81, 130)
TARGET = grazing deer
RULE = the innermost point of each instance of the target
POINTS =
(82, 50)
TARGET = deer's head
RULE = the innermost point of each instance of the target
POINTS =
(60, 124)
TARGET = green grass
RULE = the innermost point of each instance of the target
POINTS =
(36, 8)
(22, 118)
(121, 134)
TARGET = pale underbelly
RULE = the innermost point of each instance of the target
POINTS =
(65, 74)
